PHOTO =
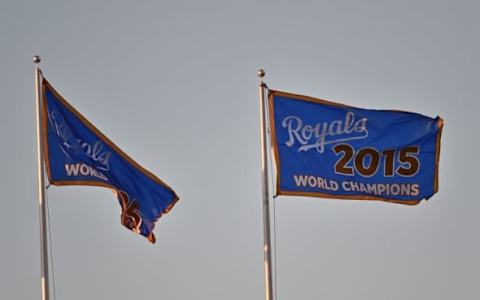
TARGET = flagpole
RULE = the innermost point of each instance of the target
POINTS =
(45, 287)
(267, 251)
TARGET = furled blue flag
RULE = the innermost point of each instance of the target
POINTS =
(332, 150)
(76, 153)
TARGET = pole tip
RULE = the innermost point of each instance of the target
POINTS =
(261, 73)
(36, 59)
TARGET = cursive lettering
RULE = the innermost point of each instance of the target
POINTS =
(324, 133)
(94, 151)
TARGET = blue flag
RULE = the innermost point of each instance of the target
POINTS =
(332, 150)
(76, 153)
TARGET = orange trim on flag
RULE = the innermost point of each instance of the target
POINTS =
(45, 85)
(273, 93)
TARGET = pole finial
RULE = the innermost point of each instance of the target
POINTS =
(36, 59)
(261, 73)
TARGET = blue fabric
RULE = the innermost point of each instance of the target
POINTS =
(76, 153)
(331, 150)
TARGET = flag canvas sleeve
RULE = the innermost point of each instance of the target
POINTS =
(76, 153)
(331, 150)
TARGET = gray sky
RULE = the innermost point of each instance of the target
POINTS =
(175, 86)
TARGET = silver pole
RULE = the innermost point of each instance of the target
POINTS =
(267, 251)
(41, 185)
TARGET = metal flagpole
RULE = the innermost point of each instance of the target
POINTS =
(45, 287)
(267, 251)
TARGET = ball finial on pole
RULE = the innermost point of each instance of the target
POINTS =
(261, 73)
(36, 59)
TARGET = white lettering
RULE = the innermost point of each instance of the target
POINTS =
(72, 170)
(382, 189)
(300, 180)
(315, 182)
(84, 170)
(316, 137)
(96, 151)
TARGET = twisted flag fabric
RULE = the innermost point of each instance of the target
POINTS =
(331, 150)
(77, 153)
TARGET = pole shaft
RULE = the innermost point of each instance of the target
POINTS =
(267, 251)
(45, 287)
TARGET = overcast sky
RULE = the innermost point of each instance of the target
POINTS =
(174, 85)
